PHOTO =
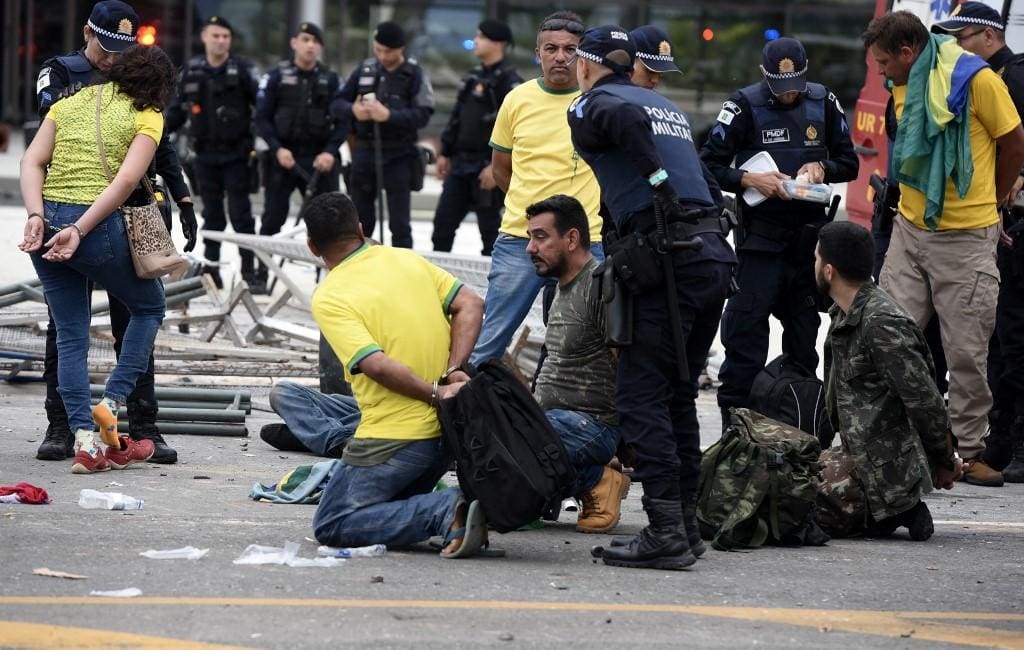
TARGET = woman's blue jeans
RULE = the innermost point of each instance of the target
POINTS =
(102, 257)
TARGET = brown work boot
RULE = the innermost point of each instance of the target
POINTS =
(602, 506)
(978, 472)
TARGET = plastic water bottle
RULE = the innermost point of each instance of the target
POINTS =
(357, 551)
(94, 500)
(804, 191)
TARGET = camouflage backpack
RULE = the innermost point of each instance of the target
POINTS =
(758, 485)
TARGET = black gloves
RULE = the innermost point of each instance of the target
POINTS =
(189, 227)
(667, 202)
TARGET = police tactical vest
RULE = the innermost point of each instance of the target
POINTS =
(220, 113)
(623, 188)
(302, 116)
(394, 90)
(79, 70)
(479, 103)
(793, 136)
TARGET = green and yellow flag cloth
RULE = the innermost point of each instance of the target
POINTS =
(933, 141)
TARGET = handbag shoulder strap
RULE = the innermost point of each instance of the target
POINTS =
(102, 150)
(99, 135)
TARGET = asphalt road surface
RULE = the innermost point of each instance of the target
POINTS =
(962, 588)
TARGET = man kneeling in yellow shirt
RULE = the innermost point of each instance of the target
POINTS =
(401, 326)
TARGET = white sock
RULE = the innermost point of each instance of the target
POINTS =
(85, 440)
(113, 405)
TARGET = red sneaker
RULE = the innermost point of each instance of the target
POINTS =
(129, 452)
(86, 463)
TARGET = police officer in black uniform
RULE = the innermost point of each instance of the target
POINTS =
(111, 28)
(465, 161)
(216, 96)
(641, 149)
(386, 99)
(803, 127)
(293, 116)
(980, 29)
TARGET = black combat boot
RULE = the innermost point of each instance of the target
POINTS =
(660, 545)
(214, 273)
(999, 442)
(690, 527)
(59, 443)
(142, 426)
(1014, 472)
(248, 266)
(258, 285)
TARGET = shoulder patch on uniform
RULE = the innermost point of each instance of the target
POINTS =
(576, 107)
(44, 79)
(732, 107)
(726, 117)
(835, 100)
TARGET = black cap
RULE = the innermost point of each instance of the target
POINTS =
(312, 29)
(785, 66)
(654, 49)
(219, 21)
(970, 13)
(598, 42)
(495, 30)
(115, 25)
(389, 34)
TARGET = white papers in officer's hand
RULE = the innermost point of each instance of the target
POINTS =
(762, 161)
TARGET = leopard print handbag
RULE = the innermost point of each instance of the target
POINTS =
(153, 251)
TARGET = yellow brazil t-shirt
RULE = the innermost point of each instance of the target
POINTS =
(992, 116)
(390, 300)
(531, 125)
(76, 172)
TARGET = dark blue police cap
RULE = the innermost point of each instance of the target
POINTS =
(306, 27)
(389, 34)
(654, 49)
(784, 65)
(970, 13)
(219, 21)
(115, 24)
(496, 30)
(598, 42)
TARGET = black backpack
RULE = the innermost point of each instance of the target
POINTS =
(788, 392)
(508, 457)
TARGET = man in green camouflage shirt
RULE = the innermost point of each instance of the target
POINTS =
(881, 398)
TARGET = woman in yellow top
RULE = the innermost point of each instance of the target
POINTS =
(75, 234)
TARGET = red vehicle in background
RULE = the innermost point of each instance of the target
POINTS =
(868, 124)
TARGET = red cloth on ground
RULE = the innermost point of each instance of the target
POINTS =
(26, 492)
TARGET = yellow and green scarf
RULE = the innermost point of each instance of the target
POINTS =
(933, 141)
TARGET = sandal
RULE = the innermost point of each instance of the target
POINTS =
(473, 534)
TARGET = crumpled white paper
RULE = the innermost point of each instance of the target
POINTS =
(185, 553)
(256, 554)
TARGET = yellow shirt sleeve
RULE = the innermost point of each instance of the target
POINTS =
(345, 331)
(149, 122)
(501, 134)
(992, 104)
(52, 113)
(446, 284)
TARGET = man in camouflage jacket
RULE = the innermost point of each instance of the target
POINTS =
(881, 398)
